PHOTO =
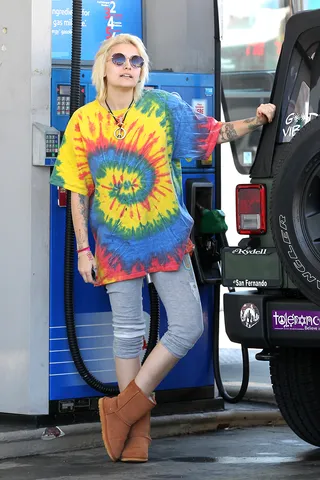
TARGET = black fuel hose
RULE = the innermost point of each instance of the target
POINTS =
(93, 382)
(222, 240)
(216, 357)
(244, 351)
(220, 99)
(154, 320)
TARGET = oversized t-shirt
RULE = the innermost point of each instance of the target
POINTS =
(137, 215)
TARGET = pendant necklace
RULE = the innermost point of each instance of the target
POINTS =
(119, 132)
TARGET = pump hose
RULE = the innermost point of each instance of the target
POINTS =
(154, 319)
(69, 238)
(222, 239)
(216, 353)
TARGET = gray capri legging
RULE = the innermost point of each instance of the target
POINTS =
(180, 296)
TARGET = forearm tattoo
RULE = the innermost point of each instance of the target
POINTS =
(228, 133)
(82, 239)
(83, 206)
(253, 124)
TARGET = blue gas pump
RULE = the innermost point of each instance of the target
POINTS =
(193, 377)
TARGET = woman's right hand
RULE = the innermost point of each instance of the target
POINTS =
(87, 264)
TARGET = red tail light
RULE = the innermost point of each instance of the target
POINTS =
(251, 209)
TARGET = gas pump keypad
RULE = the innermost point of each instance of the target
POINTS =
(63, 105)
(64, 99)
(52, 145)
(46, 143)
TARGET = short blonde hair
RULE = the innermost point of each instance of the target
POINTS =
(99, 79)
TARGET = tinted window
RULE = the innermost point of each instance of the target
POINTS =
(302, 91)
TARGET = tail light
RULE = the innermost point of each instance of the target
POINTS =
(251, 209)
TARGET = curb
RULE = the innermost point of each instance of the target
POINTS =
(79, 437)
(256, 393)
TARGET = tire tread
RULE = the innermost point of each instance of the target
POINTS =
(295, 378)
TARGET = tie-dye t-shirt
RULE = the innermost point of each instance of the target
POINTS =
(137, 215)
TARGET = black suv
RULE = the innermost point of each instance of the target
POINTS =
(279, 257)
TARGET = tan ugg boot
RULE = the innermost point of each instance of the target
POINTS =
(137, 445)
(118, 414)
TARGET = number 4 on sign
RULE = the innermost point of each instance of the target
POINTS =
(111, 23)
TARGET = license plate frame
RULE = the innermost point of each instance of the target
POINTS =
(254, 268)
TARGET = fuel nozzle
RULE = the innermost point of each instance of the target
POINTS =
(211, 221)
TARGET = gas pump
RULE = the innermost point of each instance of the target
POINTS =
(184, 64)
(192, 379)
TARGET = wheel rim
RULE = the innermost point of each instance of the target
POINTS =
(310, 214)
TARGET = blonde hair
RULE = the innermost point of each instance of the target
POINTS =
(99, 78)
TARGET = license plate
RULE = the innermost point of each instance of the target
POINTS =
(255, 268)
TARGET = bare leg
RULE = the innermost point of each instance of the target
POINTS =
(126, 370)
(154, 370)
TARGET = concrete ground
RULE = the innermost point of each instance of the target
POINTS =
(257, 453)
(258, 409)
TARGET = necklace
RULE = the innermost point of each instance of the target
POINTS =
(120, 132)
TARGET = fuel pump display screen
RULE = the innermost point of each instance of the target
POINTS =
(64, 89)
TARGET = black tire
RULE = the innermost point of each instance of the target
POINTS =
(295, 377)
(295, 209)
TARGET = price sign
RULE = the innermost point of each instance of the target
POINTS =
(100, 20)
(200, 106)
(114, 20)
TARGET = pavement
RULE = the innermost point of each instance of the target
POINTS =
(257, 453)
(27, 441)
(257, 409)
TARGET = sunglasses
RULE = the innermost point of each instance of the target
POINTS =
(135, 61)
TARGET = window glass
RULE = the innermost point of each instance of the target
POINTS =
(252, 34)
(311, 4)
(302, 91)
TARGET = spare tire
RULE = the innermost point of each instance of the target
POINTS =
(295, 210)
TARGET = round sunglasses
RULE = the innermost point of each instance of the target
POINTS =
(120, 59)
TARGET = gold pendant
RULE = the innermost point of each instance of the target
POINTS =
(120, 133)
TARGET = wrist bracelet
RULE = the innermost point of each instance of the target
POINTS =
(86, 249)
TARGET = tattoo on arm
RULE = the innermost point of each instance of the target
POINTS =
(80, 216)
(84, 207)
(228, 132)
(252, 123)
(232, 131)
(82, 239)
(84, 213)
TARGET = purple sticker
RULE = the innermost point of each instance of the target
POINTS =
(296, 320)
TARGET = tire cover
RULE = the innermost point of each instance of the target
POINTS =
(293, 171)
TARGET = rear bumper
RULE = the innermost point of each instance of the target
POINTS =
(265, 321)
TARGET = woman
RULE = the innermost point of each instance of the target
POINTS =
(120, 158)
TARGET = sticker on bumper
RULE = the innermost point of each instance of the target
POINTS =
(296, 320)
(249, 315)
